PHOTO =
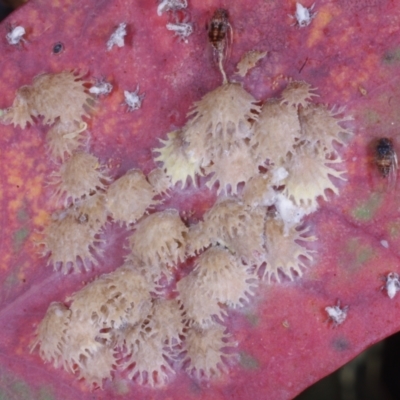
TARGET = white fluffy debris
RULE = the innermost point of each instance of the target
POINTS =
(15, 35)
(278, 175)
(118, 37)
(133, 99)
(303, 15)
(101, 88)
(171, 5)
(392, 284)
(290, 213)
(181, 29)
(336, 314)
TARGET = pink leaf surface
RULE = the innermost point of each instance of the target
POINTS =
(350, 52)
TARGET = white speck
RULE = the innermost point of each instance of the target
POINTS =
(336, 314)
(101, 88)
(304, 15)
(118, 37)
(171, 5)
(59, 312)
(354, 159)
(15, 35)
(182, 29)
(385, 244)
(133, 99)
(392, 284)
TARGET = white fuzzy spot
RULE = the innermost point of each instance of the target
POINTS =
(133, 99)
(290, 213)
(101, 88)
(392, 284)
(59, 312)
(304, 15)
(118, 37)
(16, 35)
(278, 175)
(170, 5)
(336, 314)
(385, 244)
(183, 30)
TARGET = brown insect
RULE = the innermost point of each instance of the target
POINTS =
(220, 37)
(386, 159)
(219, 29)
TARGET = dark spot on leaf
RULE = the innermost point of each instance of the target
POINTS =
(392, 56)
(341, 344)
(58, 48)
(195, 388)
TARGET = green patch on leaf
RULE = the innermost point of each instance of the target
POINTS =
(359, 253)
(394, 229)
(11, 280)
(22, 215)
(45, 393)
(247, 361)
(121, 387)
(252, 318)
(365, 211)
(21, 390)
(4, 395)
(19, 238)
(13, 388)
(371, 117)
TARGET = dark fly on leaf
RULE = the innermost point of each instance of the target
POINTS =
(386, 160)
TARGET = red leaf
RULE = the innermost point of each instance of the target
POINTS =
(349, 52)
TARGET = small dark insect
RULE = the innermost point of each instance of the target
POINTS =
(219, 29)
(385, 157)
(58, 48)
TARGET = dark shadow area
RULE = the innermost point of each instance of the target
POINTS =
(8, 6)
(373, 375)
(4, 10)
